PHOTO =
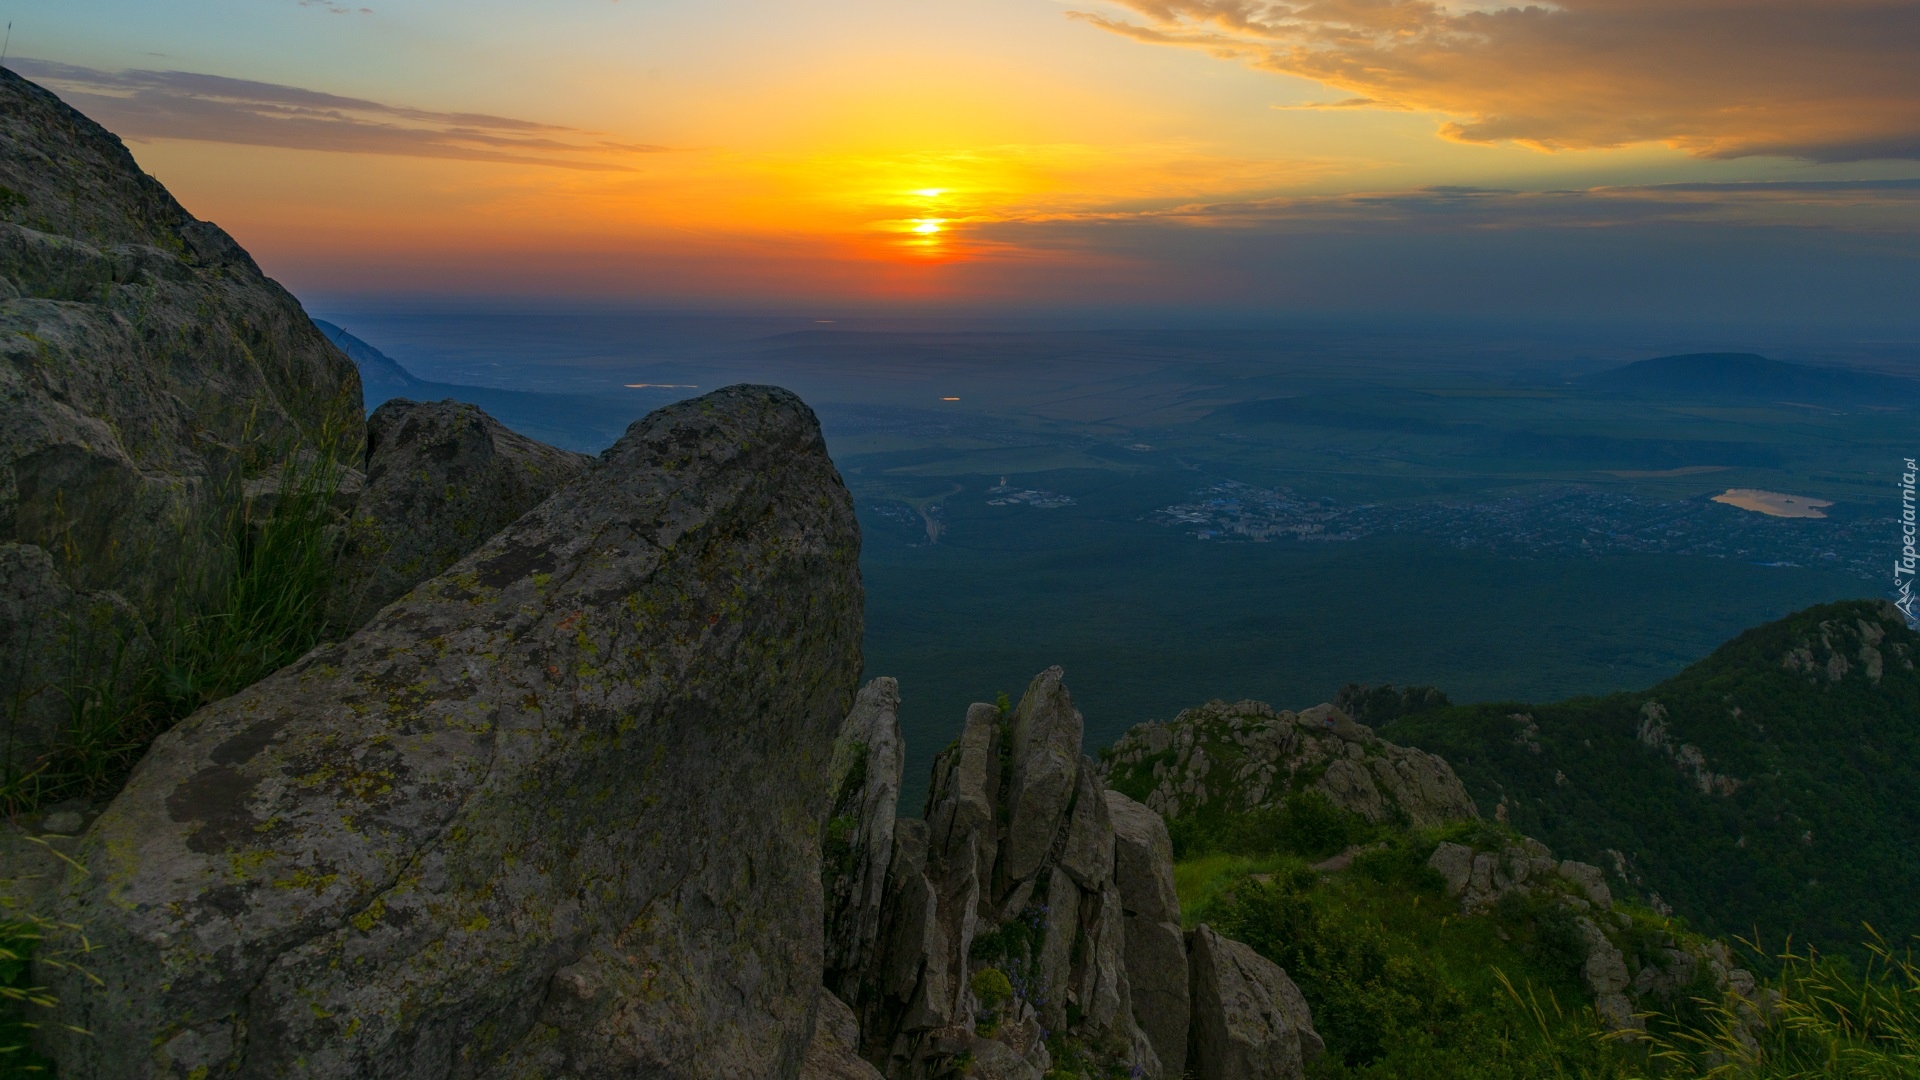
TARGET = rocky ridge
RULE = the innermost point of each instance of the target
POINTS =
(1232, 758)
(1627, 969)
(1031, 913)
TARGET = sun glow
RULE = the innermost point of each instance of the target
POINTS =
(928, 226)
(930, 192)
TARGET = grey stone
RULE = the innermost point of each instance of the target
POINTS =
(556, 811)
(57, 642)
(1055, 966)
(63, 822)
(148, 369)
(833, 1052)
(910, 922)
(1454, 863)
(1156, 957)
(1142, 860)
(990, 1059)
(1615, 1013)
(441, 478)
(1605, 969)
(1087, 854)
(1046, 761)
(1589, 879)
(966, 781)
(858, 845)
(1249, 1020)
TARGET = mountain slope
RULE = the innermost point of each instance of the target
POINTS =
(381, 376)
(1773, 786)
(579, 422)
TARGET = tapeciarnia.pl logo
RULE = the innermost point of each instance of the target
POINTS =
(1903, 567)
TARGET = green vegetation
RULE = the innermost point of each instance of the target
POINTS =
(1772, 788)
(250, 600)
(993, 989)
(1402, 984)
(22, 1003)
(1819, 1018)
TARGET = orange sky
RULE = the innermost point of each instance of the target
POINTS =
(992, 151)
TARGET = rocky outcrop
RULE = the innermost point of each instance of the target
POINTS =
(1626, 967)
(1249, 1020)
(555, 812)
(868, 756)
(1246, 756)
(1156, 949)
(1003, 921)
(441, 477)
(1027, 909)
(148, 373)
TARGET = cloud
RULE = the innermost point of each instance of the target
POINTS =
(1349, 103)
(1823, 80)
(1878, 207)
(214, 108)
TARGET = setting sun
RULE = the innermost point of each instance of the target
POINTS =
(927, 227)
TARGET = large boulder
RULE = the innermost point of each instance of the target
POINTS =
(1246, 756)
(148, 373)
(441, 477)
(556, 812)
(1249, 1020)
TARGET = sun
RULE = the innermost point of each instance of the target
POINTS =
(930, 192)
(928, 226)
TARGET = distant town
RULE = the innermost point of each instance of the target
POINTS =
(1558, 520)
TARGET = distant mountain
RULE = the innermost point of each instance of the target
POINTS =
(1747, 376)
(381, 376)
(1774, 785)
(580, 422)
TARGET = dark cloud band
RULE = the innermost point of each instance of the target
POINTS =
(213, 108)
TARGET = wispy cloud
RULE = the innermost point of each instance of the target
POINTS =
(1833, 80)
(1881, 207)
(213, 108)
(1346, 103)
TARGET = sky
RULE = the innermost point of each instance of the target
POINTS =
(1683, 160)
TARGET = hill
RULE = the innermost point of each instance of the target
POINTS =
(381, 376)
(579, 422)
(1773, 786)
(1749, 377)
